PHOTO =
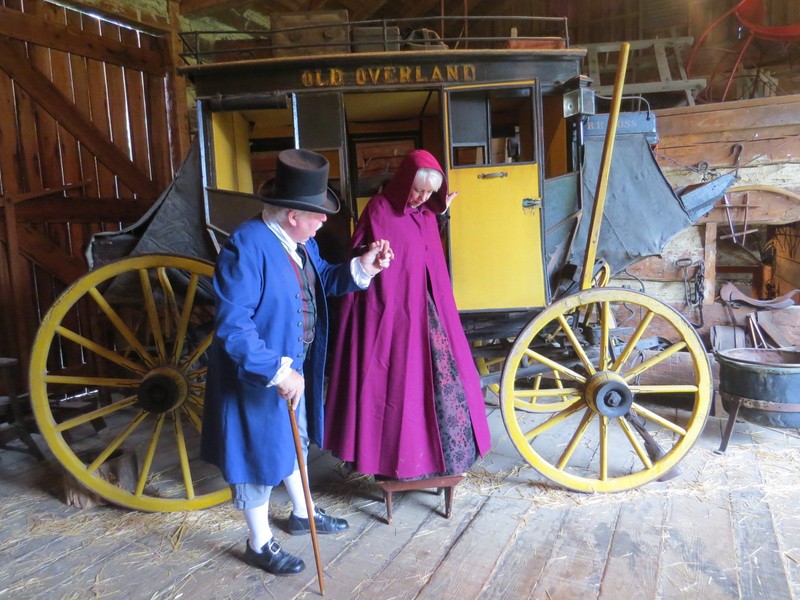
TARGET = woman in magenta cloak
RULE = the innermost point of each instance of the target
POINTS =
(404, 399)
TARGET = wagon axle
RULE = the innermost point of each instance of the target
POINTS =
(162, 390)
(608, 394)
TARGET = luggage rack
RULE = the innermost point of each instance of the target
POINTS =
(335, 36)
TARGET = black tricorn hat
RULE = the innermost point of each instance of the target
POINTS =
(301, 182)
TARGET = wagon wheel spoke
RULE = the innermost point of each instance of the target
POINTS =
(576, 346)
(593, 354)
(553, 421)
(194, 418)
(577, 436)
(630, 346)
(121, 327)
(119, 355)
(201, 349)
(659, 420)
(536, 357)
(185, 315)
(636, 444)
(96, 414)
(603, 423)
(153, 320)
(149, 454)
(655, 360)
(605, 325)
(183, 456)
(108, 450)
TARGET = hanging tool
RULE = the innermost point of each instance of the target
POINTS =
(694, 291)
(736, 152)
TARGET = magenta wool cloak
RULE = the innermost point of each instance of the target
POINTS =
(380, 412)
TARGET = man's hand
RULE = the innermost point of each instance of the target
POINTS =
(292, 388)
(377, 258)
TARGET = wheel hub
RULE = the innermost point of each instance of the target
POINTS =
(608, 394)
(162, 390)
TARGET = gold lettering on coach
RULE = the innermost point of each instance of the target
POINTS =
(388, 75)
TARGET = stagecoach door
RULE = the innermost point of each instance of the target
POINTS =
(495, 237)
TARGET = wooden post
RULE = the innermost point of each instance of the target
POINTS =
(710, 261)
(176, 90)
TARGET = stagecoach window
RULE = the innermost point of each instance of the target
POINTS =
(319, 118)
(492, 126)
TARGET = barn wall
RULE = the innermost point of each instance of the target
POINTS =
(89, 132)
(703, 141)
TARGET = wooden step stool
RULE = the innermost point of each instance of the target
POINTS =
(445, 482)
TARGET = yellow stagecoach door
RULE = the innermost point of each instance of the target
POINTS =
(495, 236)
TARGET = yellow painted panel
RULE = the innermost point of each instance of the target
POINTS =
(244, 166)
(361, 203)
(495, 243)
(222, 130)
(232, 151)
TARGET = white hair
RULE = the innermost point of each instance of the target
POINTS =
(274, 214)
(429, 176)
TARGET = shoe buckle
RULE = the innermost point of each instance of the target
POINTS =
(273, 546)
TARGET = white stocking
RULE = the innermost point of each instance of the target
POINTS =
(258, 525)
(294, 485)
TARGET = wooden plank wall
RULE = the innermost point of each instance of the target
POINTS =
(768, 131)
(87, 135)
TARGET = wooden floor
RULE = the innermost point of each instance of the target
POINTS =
(727, 527)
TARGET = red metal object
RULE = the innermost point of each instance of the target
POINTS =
(750, 13)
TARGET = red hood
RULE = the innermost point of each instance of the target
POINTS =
(397, 190)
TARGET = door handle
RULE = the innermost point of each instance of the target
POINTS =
(495, 175)
(531, 203)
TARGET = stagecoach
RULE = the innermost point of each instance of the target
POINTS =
(553, 201)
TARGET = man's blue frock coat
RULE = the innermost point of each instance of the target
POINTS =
(246, 429)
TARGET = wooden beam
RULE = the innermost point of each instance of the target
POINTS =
(20, 297)
(61, 108)
(81, 210)
(50, 256)
(716, 150)
(117, 12)
(777, 111)
(175, 98)
(34, 30)
(710, 262)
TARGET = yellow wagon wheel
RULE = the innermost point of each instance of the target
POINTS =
(117, 377)
(487, 366)
(616, 424)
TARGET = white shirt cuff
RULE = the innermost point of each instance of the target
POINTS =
(283, 371)
(360, 276)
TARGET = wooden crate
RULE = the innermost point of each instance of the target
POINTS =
(376, 39)
(310, 33)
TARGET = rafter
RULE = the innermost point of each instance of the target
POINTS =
(33, 29)
(365, 10)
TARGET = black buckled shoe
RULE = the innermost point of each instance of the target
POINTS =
(273, 559)
(323, 521)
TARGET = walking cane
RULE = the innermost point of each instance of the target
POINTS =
(307, 491)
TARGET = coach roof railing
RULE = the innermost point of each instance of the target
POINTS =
(384, 35)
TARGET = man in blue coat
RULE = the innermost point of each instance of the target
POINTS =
(269, 350)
